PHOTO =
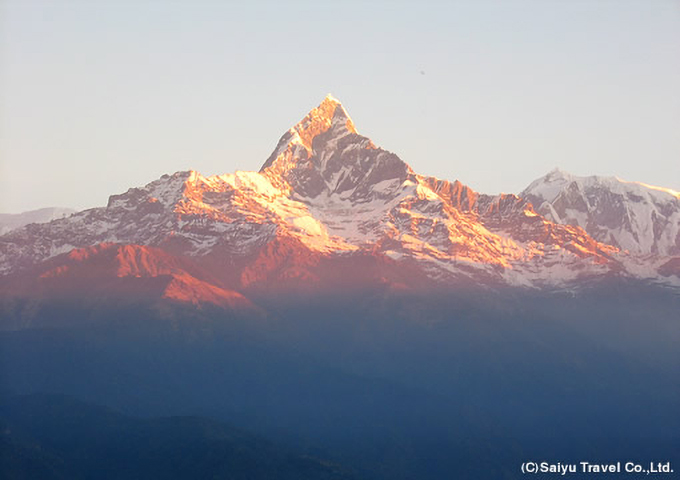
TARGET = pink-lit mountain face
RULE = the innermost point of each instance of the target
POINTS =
(330, 208)
(111, 270)
(113, 276)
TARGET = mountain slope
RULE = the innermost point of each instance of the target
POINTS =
(104, 276)
(57, 437)
(632, 216)
(110, 270)
(329, 193)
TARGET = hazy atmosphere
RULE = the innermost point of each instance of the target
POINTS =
(97, 97)
(293, 259)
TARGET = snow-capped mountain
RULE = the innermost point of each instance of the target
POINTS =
(10, 221)
(629, 215)
(328, 196)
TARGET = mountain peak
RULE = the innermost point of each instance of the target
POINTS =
(557, 172)
(329, 116)
(631, 216)
(324, 153)
(331, 100)
(332, 110)
(330, 103)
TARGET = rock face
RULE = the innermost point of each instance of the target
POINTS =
(329, 200)
(122, 273)
(631, 216)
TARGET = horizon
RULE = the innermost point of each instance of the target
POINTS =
(493, 94)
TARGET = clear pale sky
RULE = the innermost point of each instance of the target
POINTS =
(99, 96)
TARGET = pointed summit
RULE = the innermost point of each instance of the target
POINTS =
(333, 110)
(324, 153)
(330, 115)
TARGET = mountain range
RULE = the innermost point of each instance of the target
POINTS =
(329, 207)
(338, 305)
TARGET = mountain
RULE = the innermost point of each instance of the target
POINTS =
(105, 276)
(628, 215)
(341, 304)
(56, 437)
(328, 198)
(113, 270)
(10, 221)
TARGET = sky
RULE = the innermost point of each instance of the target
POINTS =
(98, 97)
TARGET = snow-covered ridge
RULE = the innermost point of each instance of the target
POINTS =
(328, 192)
(669, 191)
(552, 184)
(630, 215)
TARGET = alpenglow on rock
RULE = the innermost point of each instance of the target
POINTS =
(329, 195)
